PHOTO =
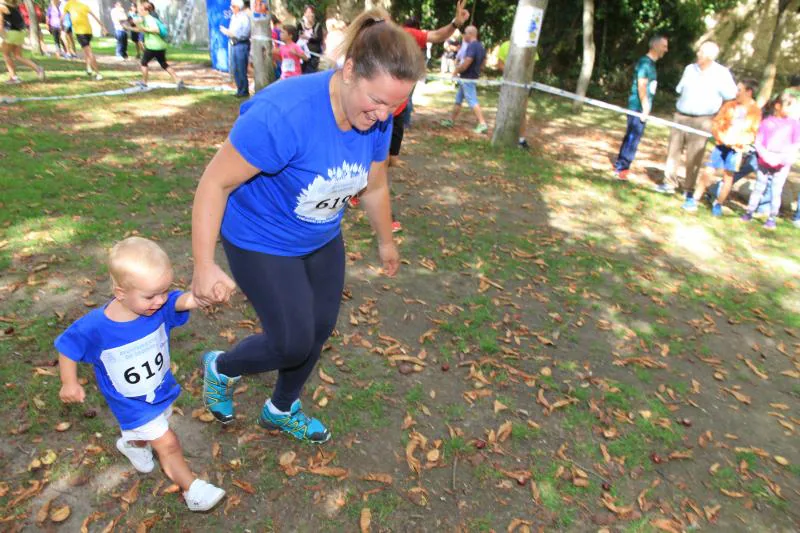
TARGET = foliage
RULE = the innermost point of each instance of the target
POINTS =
(622, 30)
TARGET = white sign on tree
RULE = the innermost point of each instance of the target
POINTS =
(527, 26)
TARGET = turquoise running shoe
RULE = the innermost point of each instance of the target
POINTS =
(296, 424)
(217, 389)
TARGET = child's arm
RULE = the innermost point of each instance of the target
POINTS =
(71, 390)
(186, 302)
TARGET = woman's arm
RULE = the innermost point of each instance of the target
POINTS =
(379, 211)
(227, 170)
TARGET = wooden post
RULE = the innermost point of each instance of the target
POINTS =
(261, 43)
(518, 69)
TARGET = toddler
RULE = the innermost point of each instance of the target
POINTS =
(127, 341)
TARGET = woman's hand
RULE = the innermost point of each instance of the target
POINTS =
(211, 285)
(390, 258)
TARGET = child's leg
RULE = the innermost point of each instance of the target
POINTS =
(725, 190)
(778, 180)
(706, 177)
(762, 177)
(170, 455)
(797, 213)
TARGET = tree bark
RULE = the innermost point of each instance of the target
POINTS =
(36, 44)
(518, 69)
(587, 64)
(774, 51)
(263, 72)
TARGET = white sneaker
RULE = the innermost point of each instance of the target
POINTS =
(98, 76)
(202, 495)
(140, 457)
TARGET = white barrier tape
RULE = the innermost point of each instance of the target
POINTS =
(572, 96)
(115, 92)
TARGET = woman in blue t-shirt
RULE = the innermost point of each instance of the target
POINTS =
(277, 190)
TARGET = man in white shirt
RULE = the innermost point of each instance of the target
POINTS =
(703, 88)
(119, 18)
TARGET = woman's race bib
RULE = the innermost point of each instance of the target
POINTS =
(322, 201)
(138, 368)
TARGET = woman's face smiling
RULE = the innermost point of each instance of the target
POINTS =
(367, 101)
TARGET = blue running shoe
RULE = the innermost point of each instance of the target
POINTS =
(716, 210)
(217, 389)
(689, 205)
(296, 424)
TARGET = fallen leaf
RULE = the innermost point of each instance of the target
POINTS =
(504, 431)
(44, 512)
(731, 494)
(745, 399)
(233, 501)
(329, 471)
(245, 486)
(287, 458)
(433, 455)
(216, 450)
(498, 406)
(665, 524)
(326, 378)
(63, 426)
(59, 514)
(365, 520)
(378, 476)
(89, 519)
(132, 494)
(781, 460)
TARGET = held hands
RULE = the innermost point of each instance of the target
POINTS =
(72, 393)
(390, 258)
(210, 285)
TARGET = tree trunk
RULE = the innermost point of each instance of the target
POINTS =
(36, 44)
(519, 69)
(774, 51)
(587, 64)
(263, 72)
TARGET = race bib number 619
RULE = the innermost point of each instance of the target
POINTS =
(138, 368)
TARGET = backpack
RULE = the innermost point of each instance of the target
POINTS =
(163, 31)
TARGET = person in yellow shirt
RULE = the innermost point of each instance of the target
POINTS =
(79, 14)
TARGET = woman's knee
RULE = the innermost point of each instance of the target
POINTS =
(294, 348)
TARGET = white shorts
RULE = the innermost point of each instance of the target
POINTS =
(151, 430)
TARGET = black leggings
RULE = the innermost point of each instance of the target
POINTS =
(398, 128)
(297, 300)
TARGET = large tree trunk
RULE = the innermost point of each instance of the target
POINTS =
(519, 69)
(36, 44)
(774, 51)
(587, 65)
(264, 74)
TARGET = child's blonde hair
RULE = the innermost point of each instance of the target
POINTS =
(135, 256)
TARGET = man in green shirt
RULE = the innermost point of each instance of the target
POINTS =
(643, 89)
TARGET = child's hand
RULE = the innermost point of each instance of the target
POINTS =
(72, 393)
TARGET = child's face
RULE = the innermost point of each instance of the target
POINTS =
(145, 294)
(792, 110)
(743, 95)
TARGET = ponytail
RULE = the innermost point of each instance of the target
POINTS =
(377, 45)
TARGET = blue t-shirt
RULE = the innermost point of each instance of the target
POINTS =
(645, 69)
(131, 360)
(309, 168)
(477, 52)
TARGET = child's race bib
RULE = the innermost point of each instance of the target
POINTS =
(287, 65)
(138, 368)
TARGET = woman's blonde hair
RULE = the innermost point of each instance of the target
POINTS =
(377, 45)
